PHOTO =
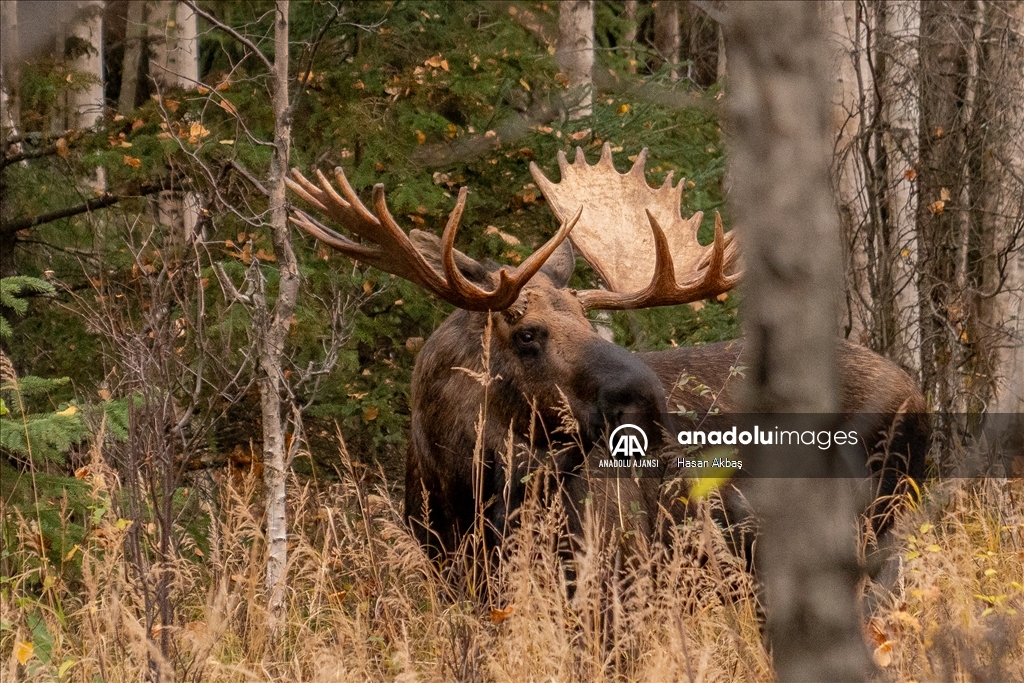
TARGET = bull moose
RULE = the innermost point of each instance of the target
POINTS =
(543, 359)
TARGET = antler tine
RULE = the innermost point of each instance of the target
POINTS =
(663, 289)
(393, 251)
(333, 239)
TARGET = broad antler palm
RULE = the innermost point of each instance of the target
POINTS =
(634, 236)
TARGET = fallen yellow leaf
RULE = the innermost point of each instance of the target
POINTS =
(23, 652)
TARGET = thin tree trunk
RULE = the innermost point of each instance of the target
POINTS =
(629, 36)
(666, 34)
(779, 92)
(900, 115)
(276, 455)
(852, 109)
(10, 76)
(134, 40)
(720, 69)
(1002, 176)
(174, 64)
(575, 54)
(10, 118)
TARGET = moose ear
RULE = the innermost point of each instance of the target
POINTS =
(560, 265)
(430, 246)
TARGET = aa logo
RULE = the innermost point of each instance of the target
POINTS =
(628, 441)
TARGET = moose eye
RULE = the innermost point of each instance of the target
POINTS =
(526, 339)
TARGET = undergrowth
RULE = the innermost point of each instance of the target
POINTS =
(365, 603)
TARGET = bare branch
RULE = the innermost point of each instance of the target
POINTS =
(107, 199)
(230, 31)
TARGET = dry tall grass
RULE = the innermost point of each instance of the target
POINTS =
(366, 604)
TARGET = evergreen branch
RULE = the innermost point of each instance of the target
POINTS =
(103, 201)
(7, 160)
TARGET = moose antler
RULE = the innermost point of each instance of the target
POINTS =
(392, 250)
(642, 267)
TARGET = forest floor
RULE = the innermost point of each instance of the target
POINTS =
(364, 602)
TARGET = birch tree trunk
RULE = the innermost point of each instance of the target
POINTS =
(779, 120)
(10, 116)
(575, 54)
(172, 32)
(174, 64)
(899, 115)
(1002, 175)
(10, 75)
(876, 120)
(85, 104)
(134, 42)
(667, 36)
(277, 454)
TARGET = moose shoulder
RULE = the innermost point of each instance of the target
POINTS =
(503, 374)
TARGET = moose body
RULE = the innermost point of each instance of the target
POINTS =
(594, 378)
(519, 370)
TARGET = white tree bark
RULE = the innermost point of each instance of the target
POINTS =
(850, 110)
(876, 117)
(575, 54)
(900, 116)
(277, 455)
(10, 74)
(174, 64)
(85, 105)
(173, 34)
(1004, 206)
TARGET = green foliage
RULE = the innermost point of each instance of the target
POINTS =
(56, 505)
(12, 291)
(40, 436)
